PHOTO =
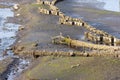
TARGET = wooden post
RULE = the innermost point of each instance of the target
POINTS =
(112, 41)
(101, 39)
(86, 35)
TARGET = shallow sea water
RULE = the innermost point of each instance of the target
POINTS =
(7, 30)
(110, 5)
(7, 38)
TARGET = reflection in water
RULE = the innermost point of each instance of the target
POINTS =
(111, 5)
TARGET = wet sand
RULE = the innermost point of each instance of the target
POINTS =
(40, 29)
(104, 20)
(4, 66)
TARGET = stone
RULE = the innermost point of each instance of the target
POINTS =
(16, 6)
(78, 65)
(21, 28)
(20, 48)
(72, 66)
(118, 56)
(17, 15)
(71, 53)
(86, 54)
(9, 48)
(35, 44)
(19, 41)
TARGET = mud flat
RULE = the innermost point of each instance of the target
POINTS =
(37, 34)
(96, 16)
(43, 41)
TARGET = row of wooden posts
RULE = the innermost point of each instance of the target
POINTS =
(48, 2)
(93, 34)
(45, 11)
(44, 2)
(100, 39)
(78, 22)
(38, 53)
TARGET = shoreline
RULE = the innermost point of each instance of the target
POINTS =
(12, 68)
(21, 33)
(31, 73)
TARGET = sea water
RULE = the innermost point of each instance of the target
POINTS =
(8, 33)
(110, 5)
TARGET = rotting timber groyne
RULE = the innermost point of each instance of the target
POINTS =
(93, 34)
(101, 42)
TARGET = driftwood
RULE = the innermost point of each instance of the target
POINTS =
(76, 43)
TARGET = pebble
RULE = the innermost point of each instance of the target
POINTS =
(17, 15)
(118, 56)
(21, 48)
(35, 44)
(86, 54)
(77, 65)
(9, 48)
(19, 41)
(72, 66)
(16, 6)
(71, 53)
(21, 28)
